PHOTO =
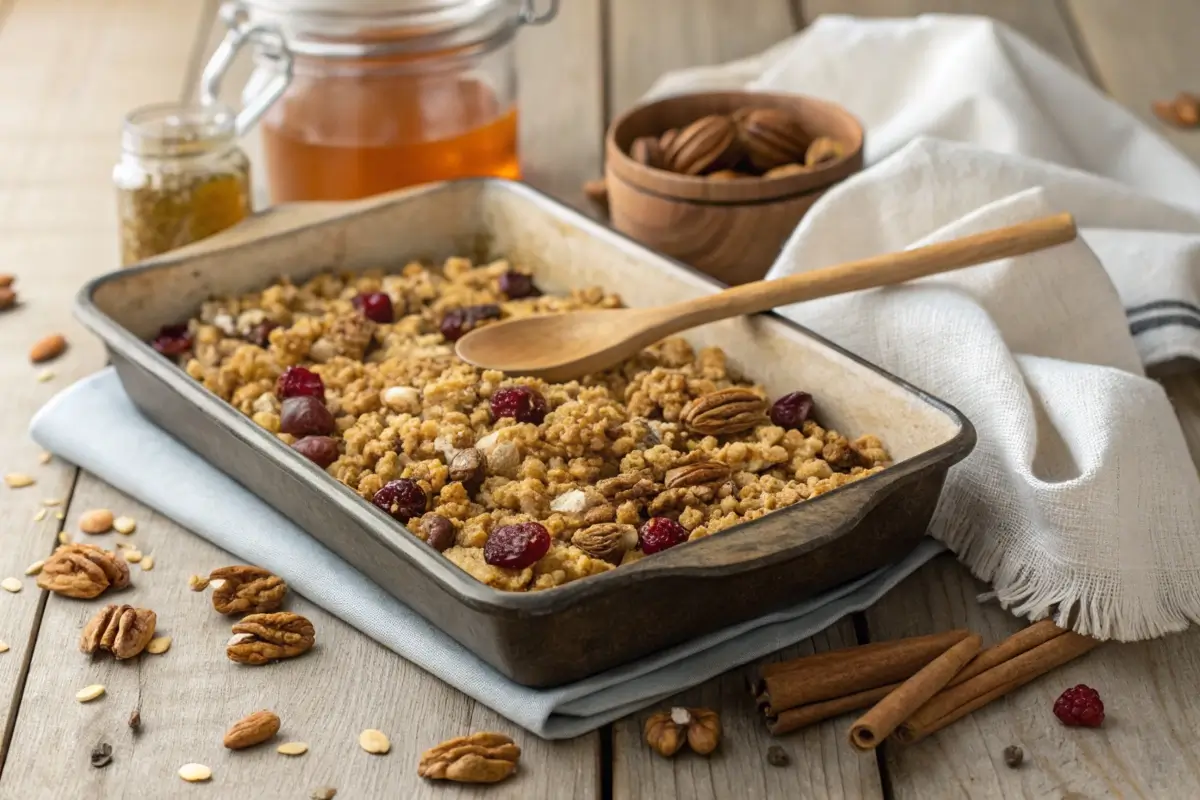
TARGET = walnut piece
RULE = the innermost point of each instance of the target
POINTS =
(608, 542)
(666, 731)
(468, 467)
(478, 758)
(698, 474)
(123, 631)
(254, 729)
(261, 638)
(247, 590)
(724, 411)
(83, 571)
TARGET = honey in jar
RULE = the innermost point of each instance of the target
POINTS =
(360, 97)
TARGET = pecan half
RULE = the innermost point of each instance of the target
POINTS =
(667, 731)
(607, 542)
(823, 149)
(123, 631)
(247, 589)
(478, 758)
(724, 411)
(709, 143)
(698, 474)
(254, 729)
(260, 638)
(771, 137)
(628, 486)
(83, 571)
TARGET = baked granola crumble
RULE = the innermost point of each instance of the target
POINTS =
(371, 391)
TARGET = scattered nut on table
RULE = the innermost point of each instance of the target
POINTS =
(478, 758)
(123, 631)
(158, 645)
(375, 742)
(251, 730)
(245, 589)
(89, 693)
(667, 731)
(261, 638)
(13, 585)
(48, 348)
(82, 571)
(195, 773)
(292, 748)
(18, 480)
(96, 521)
(124, 525)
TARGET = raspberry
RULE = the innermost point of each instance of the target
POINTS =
(516, 546)
(402, 498)
(661, 533)
(172, 340)
(460, 321)
(298, 381)
(305, 415)
(516, 285)
(791, 410)
(519, 402)
(1080, 705)
(321, 450)
(375, 306)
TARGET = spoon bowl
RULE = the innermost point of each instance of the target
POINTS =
(561, 347)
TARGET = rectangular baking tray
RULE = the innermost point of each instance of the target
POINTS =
(549, 637)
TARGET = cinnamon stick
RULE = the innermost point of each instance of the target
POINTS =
(803, 716)
(827, 676)
(955, 702)
(1020, 642)
(878, 723)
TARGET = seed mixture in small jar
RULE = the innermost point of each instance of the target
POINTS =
(524, 485)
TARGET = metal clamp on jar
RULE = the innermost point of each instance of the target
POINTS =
(358, 97)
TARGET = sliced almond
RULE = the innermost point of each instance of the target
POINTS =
(63, 538)
(45, 376)
(197, 583)
(18, 480)
(40, 515)
(52, 501)
(89, 693)
(125, 525)
(98, 520)
(374, 741)
(133, 556)
(147, 563)
(59, 515)
(3, 647)
(292, 748)
(195, 773)
(48, 348)
(159, 645)
(44, 458)
(13, 585)
(35, 568)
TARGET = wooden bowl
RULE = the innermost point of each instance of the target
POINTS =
(730, 229)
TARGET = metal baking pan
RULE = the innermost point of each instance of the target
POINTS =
(550, 637)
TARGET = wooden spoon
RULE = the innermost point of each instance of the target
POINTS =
(560, 347)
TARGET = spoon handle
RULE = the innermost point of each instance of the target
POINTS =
(881, 270)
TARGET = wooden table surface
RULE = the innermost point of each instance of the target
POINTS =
(70, 68)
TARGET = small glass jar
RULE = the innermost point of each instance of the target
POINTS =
(360, 97)
(181, 177)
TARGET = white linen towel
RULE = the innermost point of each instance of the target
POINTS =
(1080, 496)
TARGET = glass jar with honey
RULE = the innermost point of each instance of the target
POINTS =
(359, 97)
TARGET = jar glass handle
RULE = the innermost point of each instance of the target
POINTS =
(531, 16)
(272, 48)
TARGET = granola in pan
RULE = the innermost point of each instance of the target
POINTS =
(524, 485)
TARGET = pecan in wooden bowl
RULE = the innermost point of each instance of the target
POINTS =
(719, 180)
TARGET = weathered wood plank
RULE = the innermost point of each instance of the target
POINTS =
(1040, 20)
(822, 762)
(1143, 750)
(648, 39)
(59, 125)
(190, 695)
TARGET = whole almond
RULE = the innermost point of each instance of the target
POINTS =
(8, 298)
(6, 280)
(96, 521)
(48, 348)
(254, 729)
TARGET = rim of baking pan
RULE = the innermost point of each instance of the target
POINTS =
(863, 494)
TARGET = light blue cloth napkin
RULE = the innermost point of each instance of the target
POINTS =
(95, 425)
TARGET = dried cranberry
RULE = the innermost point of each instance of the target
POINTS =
(260, 334)
(298, 381)
(439, 532)
(1080, 706)
(403, 499)
(375, 306)
(791, 410)
(516, 546)
(321, 450)
(460, 321)
(172, 340)
(516, 285)
(305, 416)
(660, 533)
(519, 402)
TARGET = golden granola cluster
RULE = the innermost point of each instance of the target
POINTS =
(606, 458)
